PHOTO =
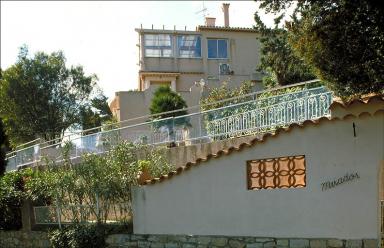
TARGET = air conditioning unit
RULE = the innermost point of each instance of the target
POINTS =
(224, 69)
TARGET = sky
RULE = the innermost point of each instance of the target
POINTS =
(101, 35)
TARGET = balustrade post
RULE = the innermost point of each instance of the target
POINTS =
(306, 106)
(97, 207)
(58, 212)
(200, 126)
(173, 133)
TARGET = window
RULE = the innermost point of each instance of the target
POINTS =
(189, 46)
(158, 45)
(282, 172)
(217, 49)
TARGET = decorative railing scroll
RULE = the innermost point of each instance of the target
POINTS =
(265, 115)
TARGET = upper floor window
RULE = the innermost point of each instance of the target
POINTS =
(158, 45)
(217, 48)
(189, 46)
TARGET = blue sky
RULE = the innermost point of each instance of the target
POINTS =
(100, 35)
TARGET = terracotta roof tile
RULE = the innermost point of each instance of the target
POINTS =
(277, 132)
(229, 29)
(365, 99)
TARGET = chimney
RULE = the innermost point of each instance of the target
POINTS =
(226, 14)
(210, 21)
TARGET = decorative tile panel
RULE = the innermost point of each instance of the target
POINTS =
(281, 172)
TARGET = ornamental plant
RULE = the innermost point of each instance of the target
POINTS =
(97, 183)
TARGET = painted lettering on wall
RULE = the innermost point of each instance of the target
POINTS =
(346, 178)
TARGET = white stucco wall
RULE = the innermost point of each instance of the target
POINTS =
(212, 198)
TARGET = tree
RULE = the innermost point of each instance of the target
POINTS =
(164, 100)
(278, 59)
(343, 41)
(40, 97)
(95, 114)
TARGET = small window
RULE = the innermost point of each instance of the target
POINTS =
(189, 46)
(271, 173)
(158, 45)
(217, 48)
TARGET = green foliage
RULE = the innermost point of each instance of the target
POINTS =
(4, 146)
(78, 236)
(343, 41)
(95, 114)
(11, 196)
(232, 106)
(97, 180)
(40, 97)
(278, 59)
(164, 100)
(224, 92)
(154, 159)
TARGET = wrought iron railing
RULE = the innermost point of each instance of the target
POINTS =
(264, 115)
(258, 112)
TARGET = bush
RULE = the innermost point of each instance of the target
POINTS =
(78, 236)
(98, 182)
(11, 195)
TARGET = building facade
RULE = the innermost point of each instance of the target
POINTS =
(180, 58)
(190, 62)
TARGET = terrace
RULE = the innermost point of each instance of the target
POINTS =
(254, 113)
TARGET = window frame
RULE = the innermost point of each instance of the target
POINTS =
(217, 47)
(178, 46)
(159, 48)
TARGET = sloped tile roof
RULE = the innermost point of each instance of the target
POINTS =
(189, 165)
(365, 99)
(229, 29)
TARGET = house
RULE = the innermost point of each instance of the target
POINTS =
(190, 62)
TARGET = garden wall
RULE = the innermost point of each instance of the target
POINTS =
(16, 239)
(23, 239)
(213, 197)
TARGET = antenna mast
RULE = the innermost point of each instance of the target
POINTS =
(203, 10)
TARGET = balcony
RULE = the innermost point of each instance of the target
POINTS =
(255, 113)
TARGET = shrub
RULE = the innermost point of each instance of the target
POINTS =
(78, 236)
(99, 182)
(11, 195)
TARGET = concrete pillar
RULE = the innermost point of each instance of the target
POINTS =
(141, 52)
(147, 83)
(27, 216)
(173, 85)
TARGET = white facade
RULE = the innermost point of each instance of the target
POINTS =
(212, 198)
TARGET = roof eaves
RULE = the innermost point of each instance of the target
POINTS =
(229, 29)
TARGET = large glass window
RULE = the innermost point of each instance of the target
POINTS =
(158, 45)
(217, 48)
(189, 46)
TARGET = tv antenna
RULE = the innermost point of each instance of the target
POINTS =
(203, 10)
